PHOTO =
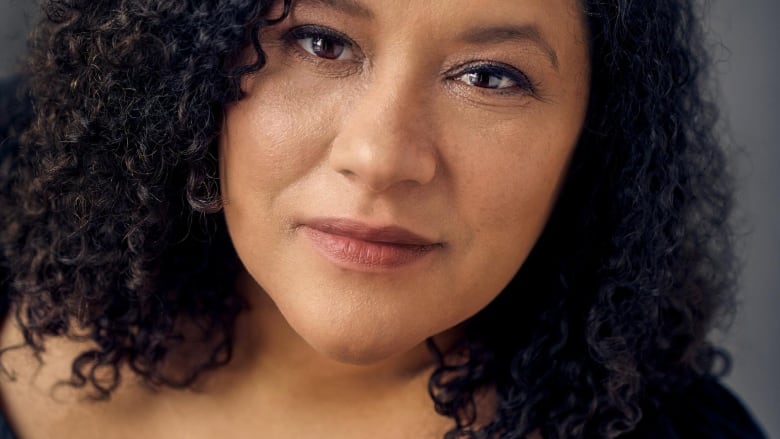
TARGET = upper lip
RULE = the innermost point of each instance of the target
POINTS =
(357, 230)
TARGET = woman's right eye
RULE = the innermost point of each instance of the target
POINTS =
(323, 43)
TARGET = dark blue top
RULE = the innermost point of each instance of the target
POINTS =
(5, 430)
(703, 410)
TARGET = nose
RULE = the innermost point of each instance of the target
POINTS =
(386, 139)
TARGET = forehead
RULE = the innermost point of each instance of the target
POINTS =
(367, 8)
(552, 25)
(454, 12)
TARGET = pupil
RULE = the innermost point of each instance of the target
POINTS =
(482, 79)
(326, 48)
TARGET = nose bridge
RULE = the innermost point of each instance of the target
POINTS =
(396, 109)
(385, 137)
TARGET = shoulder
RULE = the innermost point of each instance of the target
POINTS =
(704, 409)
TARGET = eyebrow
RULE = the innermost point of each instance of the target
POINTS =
(349, 7)
(500, 34)
(479, 35)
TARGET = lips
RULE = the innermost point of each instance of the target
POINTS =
(357, 246)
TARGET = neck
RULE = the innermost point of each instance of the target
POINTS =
(269, 351)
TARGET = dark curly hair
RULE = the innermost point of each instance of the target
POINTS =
(112, 232)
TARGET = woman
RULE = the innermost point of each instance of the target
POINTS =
(366, 218)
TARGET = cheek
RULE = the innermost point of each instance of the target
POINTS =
(504, 191)
(270, 139)
(508, 186)
(518, 196)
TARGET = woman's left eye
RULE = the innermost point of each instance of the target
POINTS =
(495, 77)
(323, 43)
(487, 80)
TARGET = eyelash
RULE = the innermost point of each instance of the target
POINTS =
(522, 84)
(294, 35)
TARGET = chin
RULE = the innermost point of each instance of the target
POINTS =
(359, 346)
(358, 351)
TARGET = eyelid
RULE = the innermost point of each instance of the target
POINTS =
(522, 81)
(313, 30)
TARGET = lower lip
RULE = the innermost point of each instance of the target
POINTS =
(367, 256)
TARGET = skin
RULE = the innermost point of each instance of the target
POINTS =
(394, 132)
(415, 144)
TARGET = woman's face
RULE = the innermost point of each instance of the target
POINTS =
(395, 160)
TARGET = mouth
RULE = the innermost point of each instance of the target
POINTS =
(357, 246)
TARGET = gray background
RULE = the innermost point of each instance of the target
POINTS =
(747, 40)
